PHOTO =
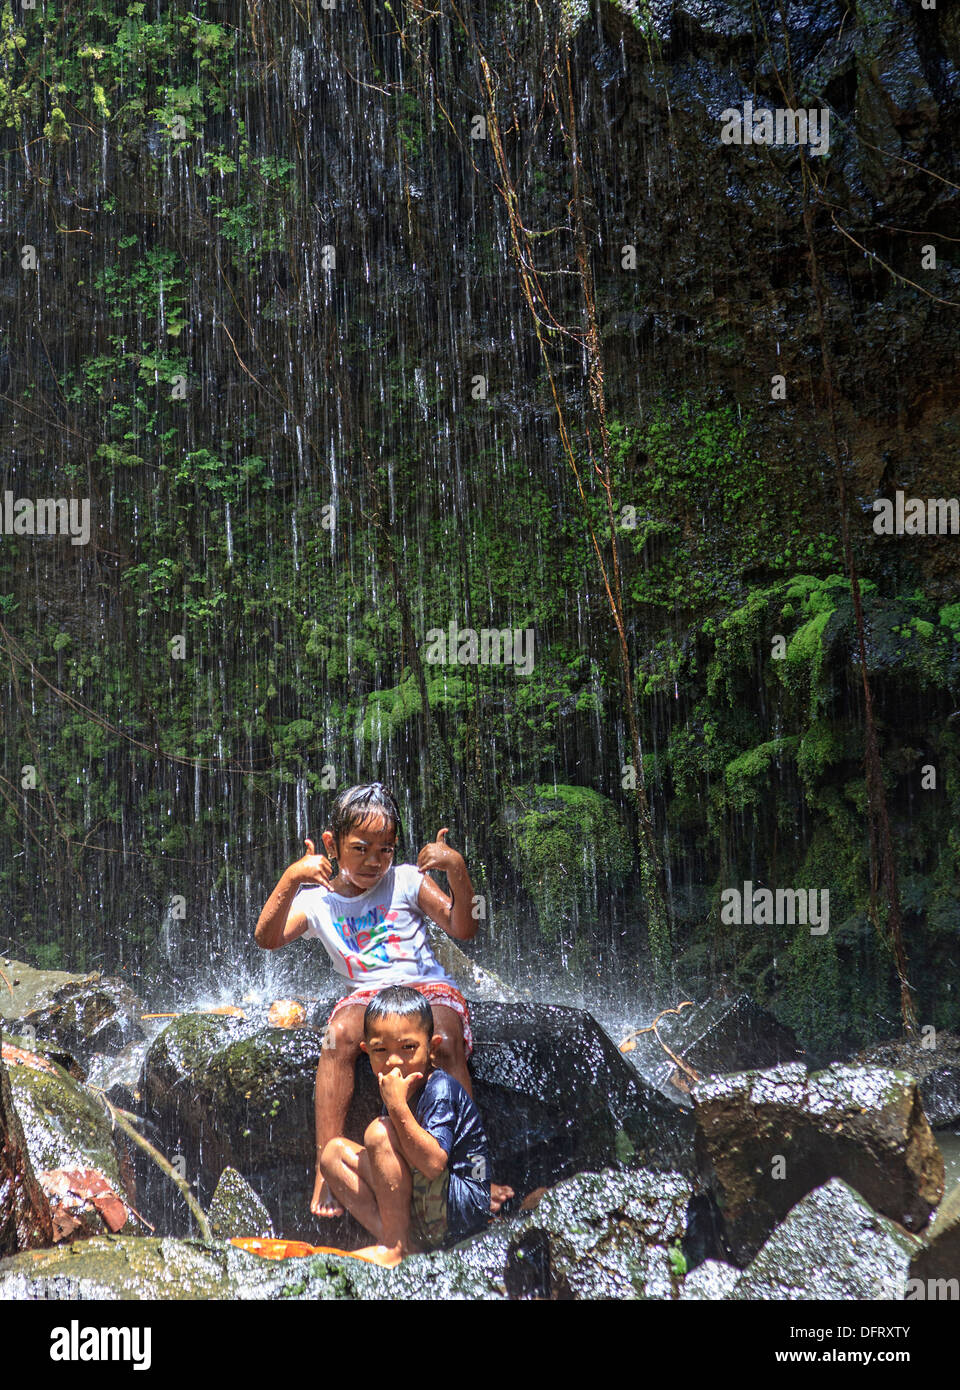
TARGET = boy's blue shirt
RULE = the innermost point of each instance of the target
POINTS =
(444, 1110)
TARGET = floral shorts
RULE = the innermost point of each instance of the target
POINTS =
(434, 991)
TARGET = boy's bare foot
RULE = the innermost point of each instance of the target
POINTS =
(499, 1193)
(322, 1202)
(389, 1255)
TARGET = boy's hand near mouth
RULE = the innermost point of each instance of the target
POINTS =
(396, 1089)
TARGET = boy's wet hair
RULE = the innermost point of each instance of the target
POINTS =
(354, 805)
(398, 1001)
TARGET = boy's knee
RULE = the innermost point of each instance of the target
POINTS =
(379, 1134)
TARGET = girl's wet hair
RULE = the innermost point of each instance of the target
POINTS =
(357, 804)
(398, 1001)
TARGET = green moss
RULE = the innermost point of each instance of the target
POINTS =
(567, 842)
(57, 129)
(388, 710)
(743, 774)
(64, 1124)
(820, 747)
(806, 647)
(950, 618)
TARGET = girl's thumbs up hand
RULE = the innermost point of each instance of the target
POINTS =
(312, 868)
(438, 854)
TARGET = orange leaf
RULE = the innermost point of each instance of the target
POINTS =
(13, 1054)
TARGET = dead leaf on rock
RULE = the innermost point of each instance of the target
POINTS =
(18, 1056)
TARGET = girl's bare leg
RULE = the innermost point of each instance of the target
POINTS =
(334, 1090)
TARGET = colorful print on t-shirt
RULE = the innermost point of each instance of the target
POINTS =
(370, 938)
(379, 937)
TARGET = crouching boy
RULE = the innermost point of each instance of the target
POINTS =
(420, 1180)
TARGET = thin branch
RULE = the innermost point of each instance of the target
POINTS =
(119, 1118)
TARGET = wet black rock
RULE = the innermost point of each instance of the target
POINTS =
(939, 1256)
(596, 1235)
(937, 1070)
(50, 1052)
(765, 1139)
(831, 1245)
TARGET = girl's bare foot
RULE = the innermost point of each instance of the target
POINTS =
(389, 1255)
(499, 1193)
(322, 1202)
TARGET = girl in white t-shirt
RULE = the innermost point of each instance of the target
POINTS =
(370, 917)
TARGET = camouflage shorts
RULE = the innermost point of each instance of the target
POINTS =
(428, 1209)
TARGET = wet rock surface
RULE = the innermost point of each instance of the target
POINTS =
(67, 1130)
(137, 1268)
(473, 980)
(711, 1280)
(831, 1245)
(937, 1070)
(555, 1094)
(888, 73)
(597, 1235)
(30, 988)
(939, 1255)
(49, 1052)
(25, 1221)
(236, 1210)
(766, 1139)
(82, 1014)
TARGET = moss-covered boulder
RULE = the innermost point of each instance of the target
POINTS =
(68, 1132)
(597, 1235)
(831, 1245)
(28, 988)
(25, 1220)
(137, 1268)
(765, 1139)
